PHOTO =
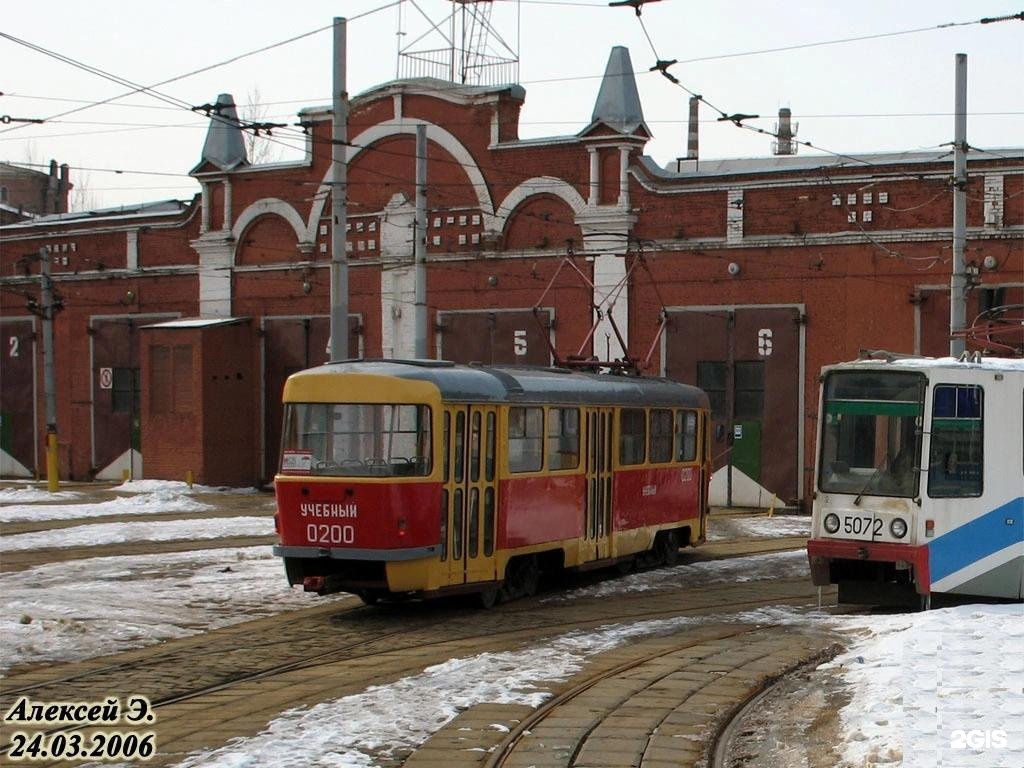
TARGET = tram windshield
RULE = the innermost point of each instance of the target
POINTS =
(356, 440)
(871, 438)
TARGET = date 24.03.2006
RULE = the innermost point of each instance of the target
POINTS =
(101, 745)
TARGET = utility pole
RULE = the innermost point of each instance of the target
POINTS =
(958, 280)
(339, 199)
(420, 244)
(49, 379)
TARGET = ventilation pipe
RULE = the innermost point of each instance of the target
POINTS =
(785, 131)
(689, 163)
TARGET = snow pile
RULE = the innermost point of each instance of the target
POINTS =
(30, 495)
(149, 503)
(175, 486)
(944, 687)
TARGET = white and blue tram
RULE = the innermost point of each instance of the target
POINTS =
(920, 479)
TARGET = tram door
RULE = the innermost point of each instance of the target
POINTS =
(470, 492)
(598, 513)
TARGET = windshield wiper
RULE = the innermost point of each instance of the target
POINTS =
(874, 475)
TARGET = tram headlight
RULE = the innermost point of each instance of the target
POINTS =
(898, 527)
(831, 522)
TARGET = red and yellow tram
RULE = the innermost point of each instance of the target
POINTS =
(423, 478)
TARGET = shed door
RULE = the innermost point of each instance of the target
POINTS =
(748, 361)
(18, 428)
(116, 388)
(511, 337)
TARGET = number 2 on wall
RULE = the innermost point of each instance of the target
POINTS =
(13, 347)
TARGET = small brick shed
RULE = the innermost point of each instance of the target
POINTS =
(199, 383)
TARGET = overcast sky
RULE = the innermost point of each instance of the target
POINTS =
(887, 94)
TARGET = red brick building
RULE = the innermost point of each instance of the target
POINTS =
(26, 193)
(761, 270)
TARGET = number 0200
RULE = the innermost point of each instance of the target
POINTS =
(330, 534)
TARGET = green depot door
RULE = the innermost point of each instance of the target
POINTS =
(748, 407)
(746, 448)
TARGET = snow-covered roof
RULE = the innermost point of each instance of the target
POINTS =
(158, 208)
(197, 322)
(923, 363)
(787, 163)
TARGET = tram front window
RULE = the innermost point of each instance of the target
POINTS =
(871, 438)
(356, 440)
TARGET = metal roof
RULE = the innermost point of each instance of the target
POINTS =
(618, 102)
(225, 145)
(524, 384)
(790, 163)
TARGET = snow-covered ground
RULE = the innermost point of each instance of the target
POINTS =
(939, 688)
(777, 526)
(117, 533)
(83, 608)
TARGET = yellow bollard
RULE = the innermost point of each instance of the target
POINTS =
(52, 480)
(190, 478)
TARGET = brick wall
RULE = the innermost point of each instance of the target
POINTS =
(852, 245)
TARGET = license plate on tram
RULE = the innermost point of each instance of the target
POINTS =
(860, 526)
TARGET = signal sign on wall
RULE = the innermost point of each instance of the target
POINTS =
(106, 378)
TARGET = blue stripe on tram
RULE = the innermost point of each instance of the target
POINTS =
(977, 539)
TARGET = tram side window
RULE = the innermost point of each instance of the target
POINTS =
(525, 439)
(661, 436)
(563, 438)
(955, 466)
(632, 436)
(686, 436)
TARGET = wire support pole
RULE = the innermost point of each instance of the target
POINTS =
(339, 199)
(958, 279)
(420, 244)
(49, 376)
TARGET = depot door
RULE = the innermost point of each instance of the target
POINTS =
(470, 498)
(597, 523)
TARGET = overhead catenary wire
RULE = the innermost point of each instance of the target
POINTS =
(150, 90)
(662, 66)
(507, 172)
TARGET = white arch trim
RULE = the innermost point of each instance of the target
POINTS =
(277, 207)
(541, 185)
(436, 134)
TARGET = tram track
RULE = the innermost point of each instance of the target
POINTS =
(345, 652)
(502, 754)
(308, 625)
(380, 644)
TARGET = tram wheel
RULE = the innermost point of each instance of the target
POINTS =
(368, 596)
(668, 547)
(625, 566)
(488, 598)
(522, 578)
